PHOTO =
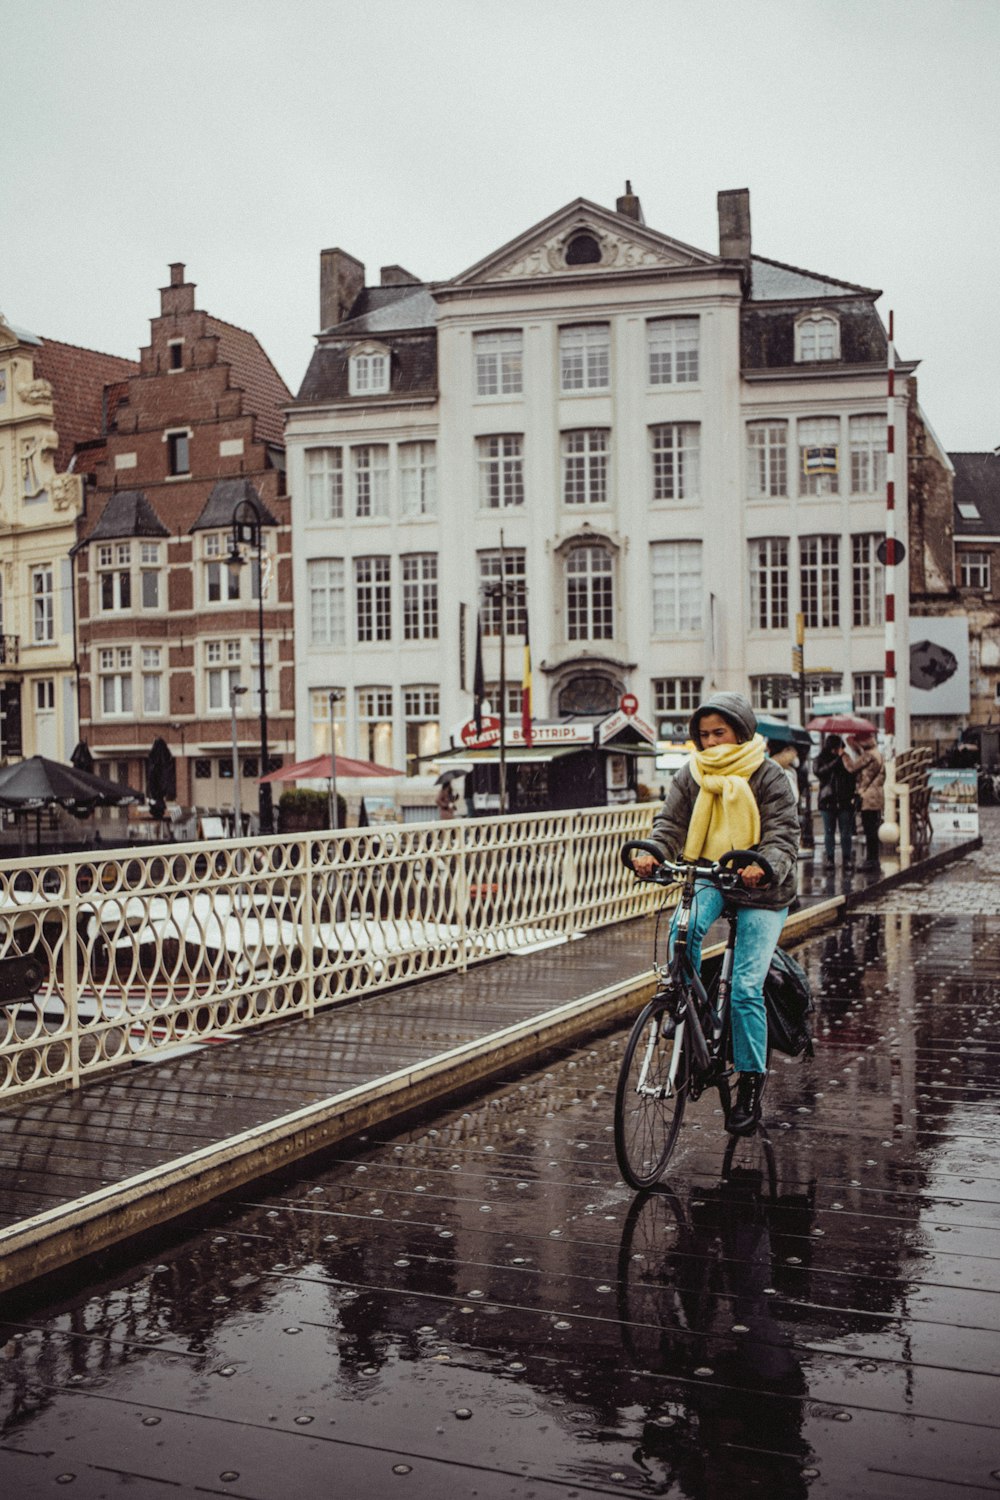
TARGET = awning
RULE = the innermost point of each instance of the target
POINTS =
(515, 754)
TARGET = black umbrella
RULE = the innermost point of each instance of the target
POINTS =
(161, 778)
(447, 777)
(39, 782)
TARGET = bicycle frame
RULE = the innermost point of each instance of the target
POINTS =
(682, 972)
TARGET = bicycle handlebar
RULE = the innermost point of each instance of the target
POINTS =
(723, 873)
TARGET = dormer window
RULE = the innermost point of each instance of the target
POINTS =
(817, 338)
(369, 371)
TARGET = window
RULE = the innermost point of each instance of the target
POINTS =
(676, 569)
(770, 693)
(676, 461)
(371, 480)
(512, 605)
(867, 581)
(585, 467)
(253, 697)
(513, 712)
(375, 724)
(420, 597)
(369, 373)
(590, 604)
(821, 685)
(819, 456)
(585, 358)
(372, 596)
(422, 721)
(179, 452)
(869, 694)
(327, 602)
(974, 570)
(149, 574)
(817, 337)
(819, 582)
(499, 361)
(417, 479)
(175, 354)
(319, 720)
(114, 573)
(152, 679)
(501, 472)
(45, 694)
(43, 605)
(222, 672)
(769, 583)
(767, 459)
(115, 673)
(867, 445)
(676, 695)
(325, 483)
(222, 579)
(673, 350)
(582, 250)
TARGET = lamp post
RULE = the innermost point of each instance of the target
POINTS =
(235, 693)
(335, 696)
(248, 529)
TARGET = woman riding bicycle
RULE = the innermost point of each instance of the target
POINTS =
(730, 795)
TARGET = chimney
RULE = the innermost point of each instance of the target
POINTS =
(178, 297)
(629, 205)
(396, 276)
(734, 224)
(341, 282)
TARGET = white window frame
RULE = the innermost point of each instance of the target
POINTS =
(114, 578)
(218, 574)
(43, 605)
(417, 478)
(818, 432)
(770, 583)
(222, 668)
(590, 593)
(326, 580)
(866, 446)
(675, 449)
(515, 605)
(501, 470)
(421, 725)
(115, 677)
(869, 694)
(151, 664)
(373, 599)
(676, 695)
(673, 347)
(974, 570)
(867, 580)
(677, 587)
(499, 363)
(374, 706)
(150, 576)
(370, 481)
(584, 358)
(817, 338)
(319, 720)
(420, 596)
(368, 372)
(586, 462)
(819, 581)
(325, 483)
(173, 437)
(767, 458)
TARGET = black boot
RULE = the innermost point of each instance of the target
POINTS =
(744, 1117)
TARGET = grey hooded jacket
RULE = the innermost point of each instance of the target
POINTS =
(779, 821)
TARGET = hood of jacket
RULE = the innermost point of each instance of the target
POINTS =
(732, 707)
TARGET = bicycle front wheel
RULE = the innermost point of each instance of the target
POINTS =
(651, 1094)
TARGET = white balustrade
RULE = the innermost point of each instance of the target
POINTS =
(147, 950)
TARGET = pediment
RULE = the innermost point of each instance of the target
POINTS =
(582, 239)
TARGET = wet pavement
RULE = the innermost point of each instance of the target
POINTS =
(477, 1306)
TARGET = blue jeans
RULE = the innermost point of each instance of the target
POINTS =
(834, 818)
(757, 933)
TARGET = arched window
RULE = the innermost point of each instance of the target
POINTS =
(590, 594)
(583, 250)
(817, 337)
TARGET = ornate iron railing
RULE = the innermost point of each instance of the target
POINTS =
(170, 945)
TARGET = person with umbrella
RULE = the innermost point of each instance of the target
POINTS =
(447, 800)
(868, 770)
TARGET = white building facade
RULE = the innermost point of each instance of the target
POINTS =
(677, 451)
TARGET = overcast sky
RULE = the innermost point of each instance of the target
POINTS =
(242, 137)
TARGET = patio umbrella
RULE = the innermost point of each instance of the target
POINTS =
(785, 734)
(161, 777)
(841, 724)
(318, 768)
(39, 782)
(82, 758)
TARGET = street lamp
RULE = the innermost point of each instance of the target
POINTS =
(335, 696)
(235, 693)
(248, 529)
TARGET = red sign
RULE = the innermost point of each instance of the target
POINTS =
(629, 704)
(488, 735)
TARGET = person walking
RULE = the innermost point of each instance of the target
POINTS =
(729, 795)
(836, 800)
(868, 770)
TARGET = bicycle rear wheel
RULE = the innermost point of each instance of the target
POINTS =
(651, 1094)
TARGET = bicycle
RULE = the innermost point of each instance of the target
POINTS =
(681, 1041)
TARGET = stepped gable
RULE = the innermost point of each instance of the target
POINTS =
(252, 372)
(78, 378)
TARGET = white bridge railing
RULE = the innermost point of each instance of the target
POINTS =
(148, 950)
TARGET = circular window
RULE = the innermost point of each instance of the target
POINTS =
(583, 250)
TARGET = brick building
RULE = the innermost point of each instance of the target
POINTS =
(168, 625)
(51, 396)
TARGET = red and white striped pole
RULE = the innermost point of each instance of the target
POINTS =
(890, 554)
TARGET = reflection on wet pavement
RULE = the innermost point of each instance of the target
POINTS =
(479, 1307)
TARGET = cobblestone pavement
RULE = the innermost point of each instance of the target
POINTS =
(970, 887)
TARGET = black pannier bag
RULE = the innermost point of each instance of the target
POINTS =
(789, 1003)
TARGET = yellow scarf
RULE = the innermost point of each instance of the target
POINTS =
(726, 815)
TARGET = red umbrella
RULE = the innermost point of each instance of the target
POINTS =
(841, 724)
(318, 768)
